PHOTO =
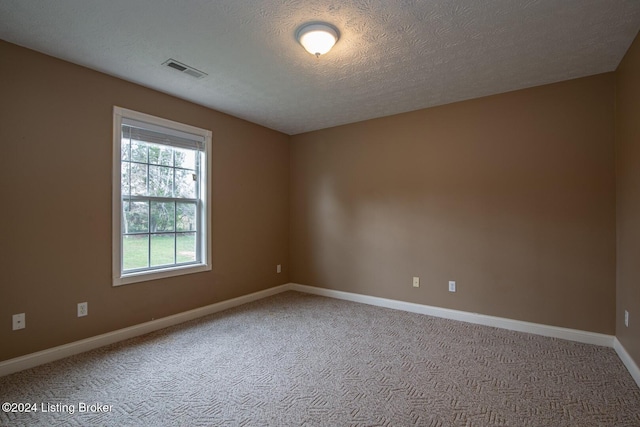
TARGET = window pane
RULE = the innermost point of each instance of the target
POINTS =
(160, 181)
(185, 158)
(125, 149)
(185, 183)
(162, 249)
(136, 217)
(186, 247)
(125, 171)
(161, 155)
(139, 151)
(138, 179)
(162, 216)
(135, 252)
(185, 217)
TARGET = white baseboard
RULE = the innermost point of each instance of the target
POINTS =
(45, 356)
(60, 352)
(627, 361)
(464, 316)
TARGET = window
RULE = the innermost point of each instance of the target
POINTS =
(161, 198)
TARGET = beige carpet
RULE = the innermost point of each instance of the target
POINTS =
(296, 359)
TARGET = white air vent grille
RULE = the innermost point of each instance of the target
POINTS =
(183, 68)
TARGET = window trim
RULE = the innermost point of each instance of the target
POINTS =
(116, 205)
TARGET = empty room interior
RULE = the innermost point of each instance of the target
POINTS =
(434, 219)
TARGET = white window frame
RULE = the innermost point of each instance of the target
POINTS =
(120, 278)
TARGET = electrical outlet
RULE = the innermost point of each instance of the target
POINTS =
(279, 268)
(83, 309)
(19, 321)
(452, 286)
(416, 282)
(626, 318)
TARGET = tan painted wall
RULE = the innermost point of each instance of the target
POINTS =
(628, 199)
(512, 196)
(55, 221)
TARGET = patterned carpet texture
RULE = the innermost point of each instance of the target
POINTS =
(301, 360)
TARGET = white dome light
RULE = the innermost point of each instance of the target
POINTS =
(317, 39)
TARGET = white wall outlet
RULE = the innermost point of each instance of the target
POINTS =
(452, 286)
(279, 268)
(626, 318)
(416, 282)
(19, 321)
(83, 309)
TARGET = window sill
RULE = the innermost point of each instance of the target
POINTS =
(144, 276)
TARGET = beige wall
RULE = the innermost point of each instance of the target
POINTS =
(512, 196)
(628, 199)
(55, 221)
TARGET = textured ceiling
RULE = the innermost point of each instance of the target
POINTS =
(392, 57)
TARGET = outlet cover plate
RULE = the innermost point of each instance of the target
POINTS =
(83, 309)
(626, 318)
(416, 282)
(452, 286)
(19, 321)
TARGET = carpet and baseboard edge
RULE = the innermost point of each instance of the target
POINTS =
(628, 362)
(481, 319)
(49, 355)
(60, 352)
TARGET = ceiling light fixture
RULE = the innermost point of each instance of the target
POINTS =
(317, 38)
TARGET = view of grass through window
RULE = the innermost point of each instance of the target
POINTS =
(136, 250)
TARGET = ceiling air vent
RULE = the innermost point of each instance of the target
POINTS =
(183, 68)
